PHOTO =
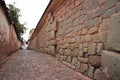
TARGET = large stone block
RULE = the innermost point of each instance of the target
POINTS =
(103, 36)
(108, 4)
(69, 59)
(95, 61)
(83, 60)
(105, 25)
(90, 71)
(98, 74)
(111, 65)
(52, 50)
(109, 13)
(118, 6)
(100, 47)
(92, 49)
(65, 46)
(93, 5)
(95, 37)
(84, 31)
(84, 68)
(93, 30)
(74, 61)
(52, 35)
(99, 11)
(113, 40)
(52, 42)
(94, 22)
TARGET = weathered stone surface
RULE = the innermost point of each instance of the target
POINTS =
(89, 16)
(72, 40)
(74, 61)
(63, 58)
(61, 51)
(76, 45)
(58, 56)
(86, 38)
(85, 49)
(90, 71)
(103, 36)
(80, 46)
(85, 44)
(113, 41)
(77, 65)
(95, 61)
(67, 52)
(83, 60)
(105, 25)
(69, 59)
(118, 6)
(71, 47)
(80, 53)
(93, 30)
(111, 65)
(94, 22)
(84, 68)
(75, 52)
(101, 1)
(78, 39)
(109, 13)
(52, 50)
(52, 35)
(99, 11)
(82, 19)
(98, 74)
(99, 48)
(95, 37)
(76, 22)
(108, 4)
(84, 31)
(65, 46)
(93, 5)
(92, 49)
(52, 42)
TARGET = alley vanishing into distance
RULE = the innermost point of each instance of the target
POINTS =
(32, 65)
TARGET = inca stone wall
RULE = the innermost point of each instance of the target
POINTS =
(8, 39)
(83, 35)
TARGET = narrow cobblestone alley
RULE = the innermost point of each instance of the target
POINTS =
(31, 65)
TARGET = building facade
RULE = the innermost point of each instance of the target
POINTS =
(83, 35)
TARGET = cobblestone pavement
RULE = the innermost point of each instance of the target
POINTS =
(32, 65)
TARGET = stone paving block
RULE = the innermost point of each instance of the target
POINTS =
(32, 65)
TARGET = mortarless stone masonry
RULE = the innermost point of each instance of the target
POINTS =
(77, 31)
